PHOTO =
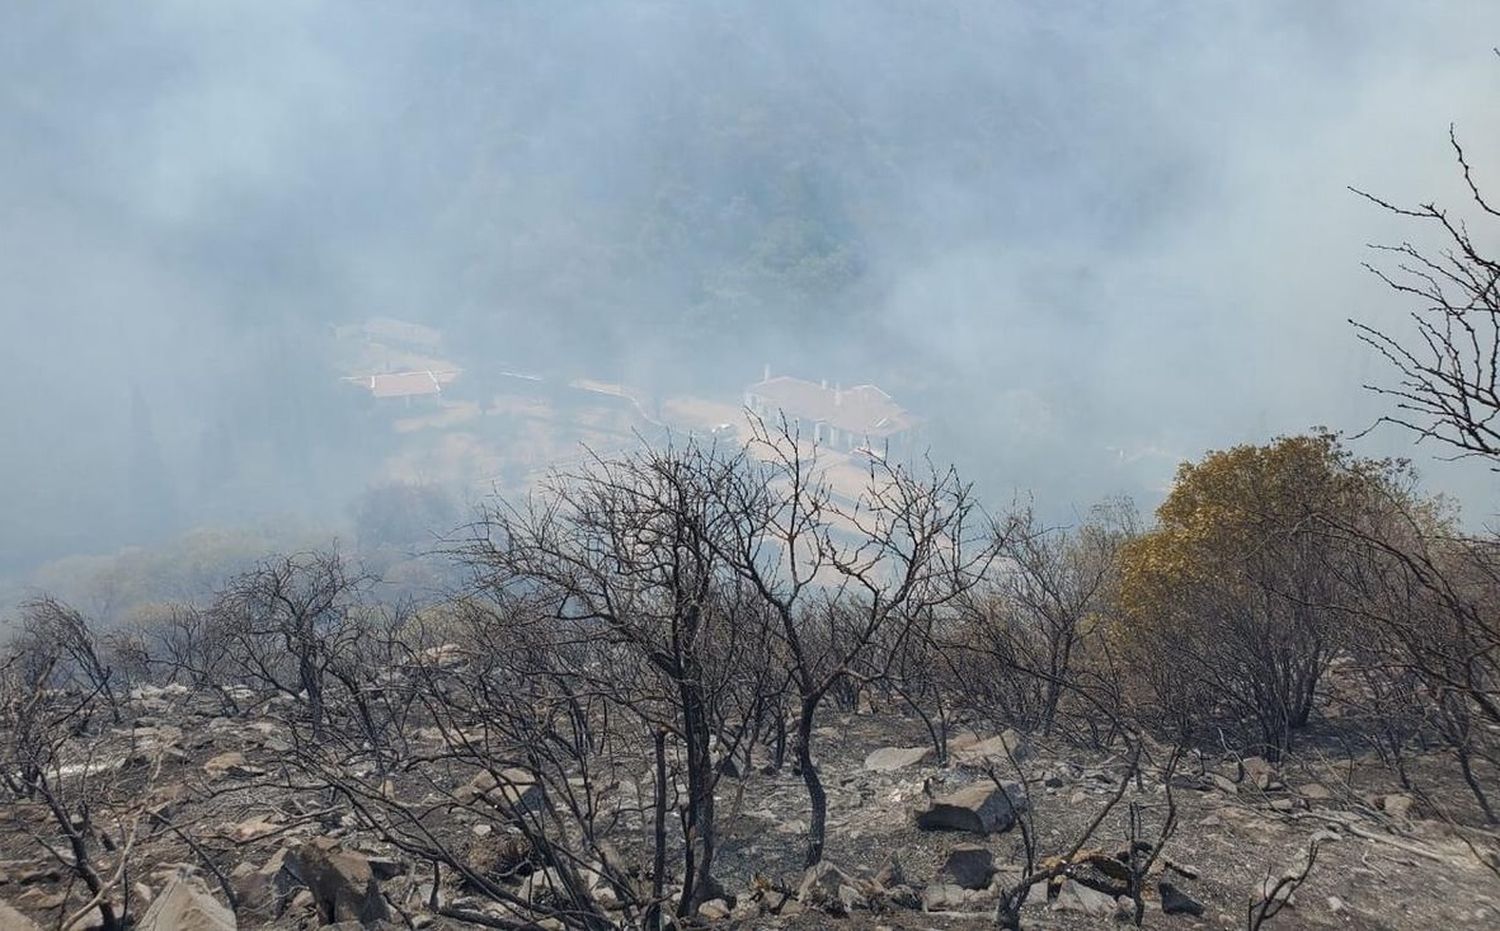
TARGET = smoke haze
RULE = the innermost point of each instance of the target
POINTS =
(1085, 241)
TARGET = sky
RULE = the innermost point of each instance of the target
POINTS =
(1085, 240)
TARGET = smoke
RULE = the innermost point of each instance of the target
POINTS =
(1085, 240)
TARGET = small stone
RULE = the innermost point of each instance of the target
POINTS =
(1335, 904)
(714, 910)
(1315, 792)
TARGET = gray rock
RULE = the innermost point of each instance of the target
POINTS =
(944, 897)
(891, 873)
(186, 905)
(341, 882)
(890, 759)
(12, 920)
(1074, 896)
(999, 749)
(982, 808)
(903, 896)
(969, 866)
(820, 886)
(1176, 902)
(1397, 805)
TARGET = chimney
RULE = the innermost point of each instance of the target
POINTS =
(766, 373)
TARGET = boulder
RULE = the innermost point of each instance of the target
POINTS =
(969, 866)
(12, 920)
(1176, 902)
(186, 905)
(1074, 896)
(981, 808)
(890, 759)
(341, 882)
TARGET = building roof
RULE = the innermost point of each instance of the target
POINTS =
(405, 384)
(862, 410)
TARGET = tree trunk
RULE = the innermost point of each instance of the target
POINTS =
(817, 798)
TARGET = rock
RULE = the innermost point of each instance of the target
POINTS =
(891, 874)
(1074, 896)
(714, 910)
(1335, 904)
(12, 920)
(186, 905)
(820, 885)
(264, 889)
(231, 765)
(851, 898)
(1224, 783)
(962, 740)
(944, 897)
(1397, 805)
(1315, 792)
(511, 788)
(254, 828)
(890, 759)
(1191, 782)
(1272, 888)
(981, 808)
(969, 866)
(999, 749)
(903, 896)
(341, 882)
(1181, 869)
(1258, 772)
(1283, 804)
(1176, 902)
(42, 901)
